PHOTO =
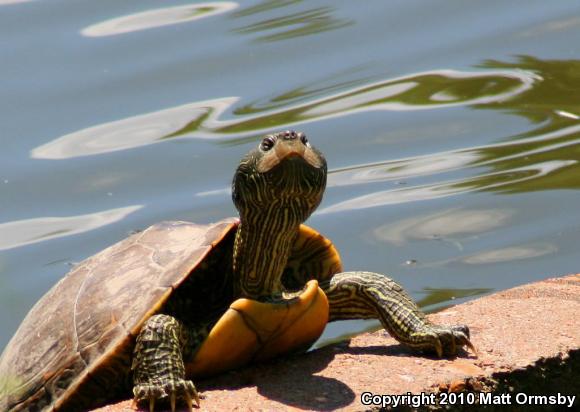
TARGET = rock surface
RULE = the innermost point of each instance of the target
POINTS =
(528, 341)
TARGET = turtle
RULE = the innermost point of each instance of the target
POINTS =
(179, 301)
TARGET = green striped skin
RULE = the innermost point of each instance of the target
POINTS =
(276, 188)
(158, 365)
(367, 295)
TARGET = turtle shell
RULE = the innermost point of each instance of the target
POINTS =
(73, 350)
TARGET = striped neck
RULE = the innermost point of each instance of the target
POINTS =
(261, 250)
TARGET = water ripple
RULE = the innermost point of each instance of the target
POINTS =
(202, 119)
(487, 181)
(507, 254)
(426, 165)
(25, 232)
(157, 18)
(444, 225)
(131, 132)
(401, 169)
(303, 23)
(8, 2)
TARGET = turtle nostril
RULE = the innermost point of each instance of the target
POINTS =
(290, 135)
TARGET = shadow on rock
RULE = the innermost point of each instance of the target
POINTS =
(292, 381)
(402, 351)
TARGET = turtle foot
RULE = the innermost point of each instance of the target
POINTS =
(170, 390)
(447, 340)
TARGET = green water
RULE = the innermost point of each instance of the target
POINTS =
(451, 131)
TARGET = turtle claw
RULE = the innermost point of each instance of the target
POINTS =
(436, 344)
(189, 400)
(170, 390)
(455, 337)
(182, 389)
(444, 340)
(462, 336)
(463, 339)
(438, 347)
(172, 401)
(470, 346)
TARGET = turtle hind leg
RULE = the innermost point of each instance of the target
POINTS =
(158, 367)
(367, 295)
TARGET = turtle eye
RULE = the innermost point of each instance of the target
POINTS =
(304, 139)
(267, 143)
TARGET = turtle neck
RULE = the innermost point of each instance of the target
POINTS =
(261, 250)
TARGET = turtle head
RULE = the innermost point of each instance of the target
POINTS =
(285, 173)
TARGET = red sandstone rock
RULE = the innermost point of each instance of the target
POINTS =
(528, 340)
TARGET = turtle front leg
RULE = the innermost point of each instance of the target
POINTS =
(158, 367)
(367, 295)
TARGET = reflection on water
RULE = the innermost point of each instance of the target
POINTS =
(7, 2)
(402, 169)
(202, 119)
(24, 232)
(130, 132)
(443, 225)
(303, 23)
(567, 114)
(552, 26)
(507, 254)
(556, 138)
(157, 18)
(447, 161)
(217, 192)
(435, 296)
(264, 6)
(545, 157)
(497, 181)
(412, 92)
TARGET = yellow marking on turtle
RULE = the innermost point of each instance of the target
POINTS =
(252, 330)
(316, 252)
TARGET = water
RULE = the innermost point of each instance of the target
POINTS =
(451, 130)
